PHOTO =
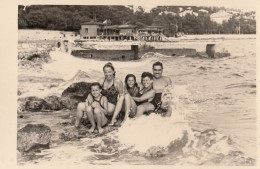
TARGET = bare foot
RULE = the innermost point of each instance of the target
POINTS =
(91, 130)
(100, 130)
(111, 123)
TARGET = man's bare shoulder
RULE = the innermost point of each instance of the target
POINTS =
(168, 79)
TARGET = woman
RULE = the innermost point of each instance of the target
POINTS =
(112, 88)
(137, 99)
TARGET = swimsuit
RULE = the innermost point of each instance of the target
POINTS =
(139, 95)
(107, 116)
(111, 93)
(139, 103)
(156, 102)
(133, 91)
(99, 101)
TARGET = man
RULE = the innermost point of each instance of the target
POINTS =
(156, 105)
(159, 83)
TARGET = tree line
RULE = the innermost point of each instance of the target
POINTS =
(70, 18)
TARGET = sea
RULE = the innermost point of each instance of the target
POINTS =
(214, 120)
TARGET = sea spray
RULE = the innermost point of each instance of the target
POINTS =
(155, 130)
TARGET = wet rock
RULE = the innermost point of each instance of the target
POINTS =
(156, 151)
(19, 93)
(75, 93)
(33, 137)
(174, 147)
(69, 134)
(80, 76)
(53, 103)
(25, 64)
(20, 116)
(238, 158)
(207, 138)
(178, 144)
(33, 55)
(35, 104)
(33, 59)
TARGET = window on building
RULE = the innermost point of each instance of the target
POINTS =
(86, 30)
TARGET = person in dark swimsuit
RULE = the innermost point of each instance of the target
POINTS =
(135, 100)
(156, 102)
(111, 93)
(96, 108)
(112, 88)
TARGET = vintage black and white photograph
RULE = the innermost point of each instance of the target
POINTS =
(136, 85)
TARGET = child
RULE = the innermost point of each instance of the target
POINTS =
(96, 108)
(131, 90)
(137, 98)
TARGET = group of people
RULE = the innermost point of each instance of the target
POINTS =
(109, 97)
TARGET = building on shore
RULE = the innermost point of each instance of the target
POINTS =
(220, 16)
(102, 31)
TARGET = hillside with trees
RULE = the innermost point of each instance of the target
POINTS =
(70, 17)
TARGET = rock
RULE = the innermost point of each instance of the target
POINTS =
(53, 103)
(75, 93)
(174, 147)
(80, 76)
(19, 93)
(33, 59)
(35, 104)
(69, 134)
(178, 144)
(20, 116)
(33, 137)
(156, 151)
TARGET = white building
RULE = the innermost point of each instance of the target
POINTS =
(203, 11)
(188, 11)
(220, 16)
(167, 12)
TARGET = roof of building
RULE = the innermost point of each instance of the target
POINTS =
(203, 10)
(111, 27)
(151, 28)
(126, 26)
(92, 23)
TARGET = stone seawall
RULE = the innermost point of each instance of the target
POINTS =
(105, 54)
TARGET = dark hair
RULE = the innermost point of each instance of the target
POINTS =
(147, 74)
(109, 64)
(126, 78)
(95, 84)
(158, 64)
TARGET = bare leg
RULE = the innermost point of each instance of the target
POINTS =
(144, 108)
(130, 107)
(118, 108)
(169, 110)
(100, 119)
(80, 111)
(91, 118)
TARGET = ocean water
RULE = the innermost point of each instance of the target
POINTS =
(213, 122)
